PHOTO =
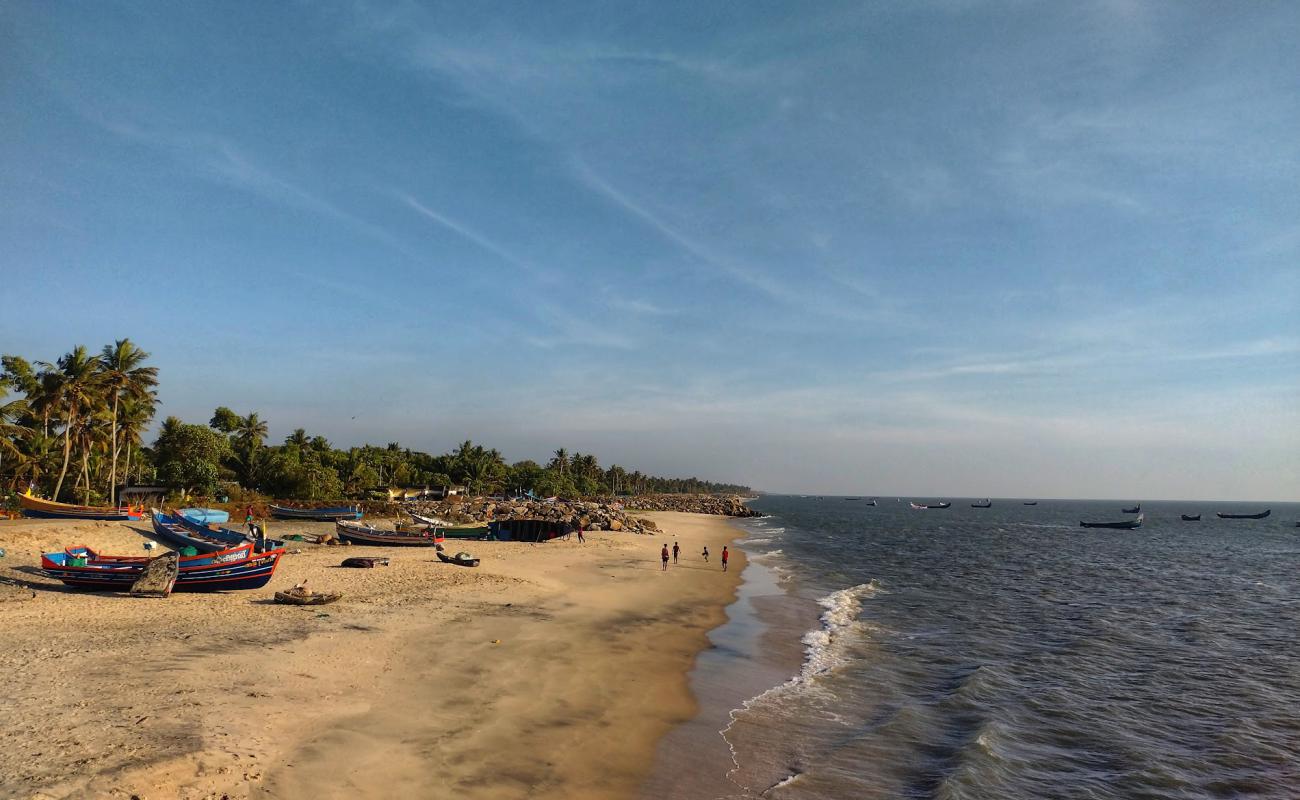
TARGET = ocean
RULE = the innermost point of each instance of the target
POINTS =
(884, 652)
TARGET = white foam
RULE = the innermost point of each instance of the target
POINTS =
(825, 650)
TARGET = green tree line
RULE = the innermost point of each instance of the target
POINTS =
(74, 429)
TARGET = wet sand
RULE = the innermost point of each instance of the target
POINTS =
(551, 670)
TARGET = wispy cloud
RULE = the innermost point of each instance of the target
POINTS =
(465, 232)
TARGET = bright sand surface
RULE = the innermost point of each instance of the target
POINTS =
(550, 671)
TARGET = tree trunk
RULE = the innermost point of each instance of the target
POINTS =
(112, 472)
(67, 452)
(85, 474)
(126, 472)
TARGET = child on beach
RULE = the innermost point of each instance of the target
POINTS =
(706, 555)
(725, 556)
(663, 554)
(676, 550)
(581, 538)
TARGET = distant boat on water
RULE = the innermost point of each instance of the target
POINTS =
(924, 506)
(1137, 509)
(1031, 502)
(871, 502)
(1260, 515)
(986, 504)
(1191, 517)
(1127, 524)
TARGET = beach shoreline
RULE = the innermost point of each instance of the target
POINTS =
(552, 670)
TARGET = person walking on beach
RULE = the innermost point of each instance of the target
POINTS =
(663, 554)
(581, 539)
(706, 555)
(676, 550)
(725, 556)
(248, 518)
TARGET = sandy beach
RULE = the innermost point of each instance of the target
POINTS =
(551, 670)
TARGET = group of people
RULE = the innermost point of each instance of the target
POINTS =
(664, 554)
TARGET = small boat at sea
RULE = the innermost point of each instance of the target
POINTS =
(358, 533)
(1134, 510)
(1125, 525)
(1030, 502)
(986, 504)
(1191, 517)
(460, 559)
(870, 502)
(924, 506)
(1261, 515)
(205, 516)
(324, 514)
(82, 568)
(33, 506)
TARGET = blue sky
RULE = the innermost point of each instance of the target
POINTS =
(1005, 249)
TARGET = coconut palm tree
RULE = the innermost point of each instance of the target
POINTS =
(134, 414)
(249, 433)
(123, 374)
(10, 431)
(77, 389)
(561, 461)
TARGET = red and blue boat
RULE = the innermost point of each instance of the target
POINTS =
(49, 509)
(224, 570)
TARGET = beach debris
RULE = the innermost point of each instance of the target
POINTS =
(496, 641)
(460, 559)
(158, 577)
(361, 562)
(300, 595)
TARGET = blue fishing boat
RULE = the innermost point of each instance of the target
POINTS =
(327, 514)
(182, 532)
(81, 568)
(205, 516)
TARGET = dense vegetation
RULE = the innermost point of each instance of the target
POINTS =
(75, 432)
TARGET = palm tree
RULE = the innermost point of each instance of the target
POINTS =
(249, 433)
(10, 431)
(298, 437)
(77, 390)
(561, 461)
(134, 413)
(123, 375)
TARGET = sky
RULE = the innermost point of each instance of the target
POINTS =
(1010, 249)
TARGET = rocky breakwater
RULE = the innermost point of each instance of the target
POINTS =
(722, 505)
(592, 516)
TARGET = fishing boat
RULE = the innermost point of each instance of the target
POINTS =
(329, 514)
(93, 558)
(986, 504)
(1191, 517)
(182, 532)
(82, 568)
(460, 559)
(432, 522)
(871, 502)
(924, 506)
(479, 532)
(1128, 524)
(1260, 515)
(48, 509)
(1031, 502)
(205, 516)
(1134, 510)
(357, 533)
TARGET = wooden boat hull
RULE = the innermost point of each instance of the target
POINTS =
(1123, 525)
(249, 573)
(332, 514)
(465, 533)
(1031, 504)
(93, 558)
(1260, 515)
(1191, 517)
(181, 532)
(981, 505)
(37, 508)
(364, 535)
(1133, 510)
(205, 516)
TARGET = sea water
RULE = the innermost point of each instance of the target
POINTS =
(885, 652)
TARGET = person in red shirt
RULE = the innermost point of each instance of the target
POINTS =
(663, 554)
(725, 556)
